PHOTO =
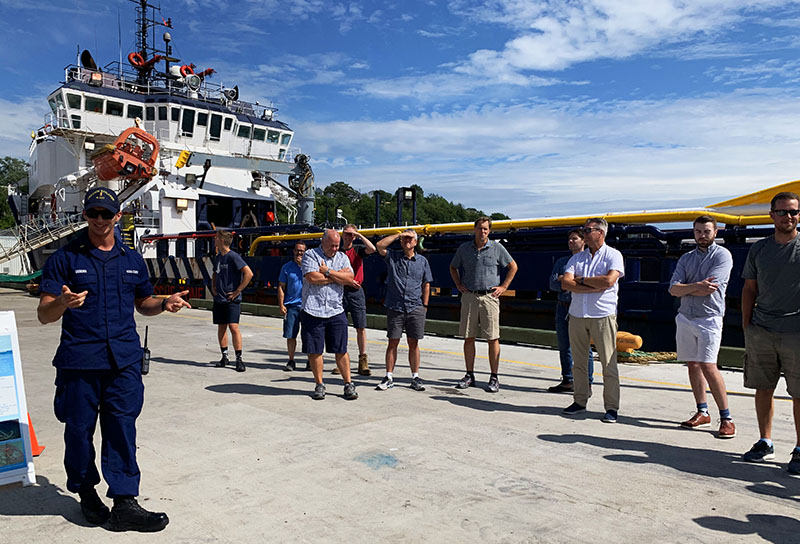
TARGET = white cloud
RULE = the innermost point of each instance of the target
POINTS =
(18, 119)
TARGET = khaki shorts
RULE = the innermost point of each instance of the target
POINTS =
(766, 354)
(479, 313)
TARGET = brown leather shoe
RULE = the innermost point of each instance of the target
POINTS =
(363, 365)
(563, 387)
(698, 420)
(335, 369)
(726, 429)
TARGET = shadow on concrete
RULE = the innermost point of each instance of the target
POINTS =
(253, 389)
(769, 479)
(492, 406)
(179, 362)
(43, 499)
(778, 529)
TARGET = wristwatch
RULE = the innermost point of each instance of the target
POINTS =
(163, 304)
(327, 272)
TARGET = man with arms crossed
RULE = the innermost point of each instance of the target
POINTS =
(576, 245)
(593, 278)
(290, 298)
(92, 285)
(325, 272)
(407, 293)
(771, 322)
(474, 270)
(354, 301)
(700, 280)
(231, 276)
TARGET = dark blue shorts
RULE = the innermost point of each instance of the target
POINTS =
(324, 334)
(225, 313)
(291, 322)
(355, 304)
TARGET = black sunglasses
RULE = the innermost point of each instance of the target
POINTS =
(588, 230)
(94, 213)
(781, 213)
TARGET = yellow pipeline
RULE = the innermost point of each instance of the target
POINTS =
(508, 224)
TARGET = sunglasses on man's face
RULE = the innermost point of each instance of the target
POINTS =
(94, 213)
(781, 213)
(589, 230)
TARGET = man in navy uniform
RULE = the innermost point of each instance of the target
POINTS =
(92, 285)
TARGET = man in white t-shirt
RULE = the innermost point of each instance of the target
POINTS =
(592, 277)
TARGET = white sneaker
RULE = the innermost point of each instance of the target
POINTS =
(385, 384)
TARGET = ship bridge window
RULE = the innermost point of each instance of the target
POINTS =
(74, 101)
(176, 114)
(93, 104)
(202, 119)
(228, 123)
(53, 106)
(244, 131)
(285, 139)
(135, 111)
(76, 121)
(187, 126)
(272, 136)
(281, 154)
(162, 113)
(259, 134)
(150, 113)
(114, 108)
(215, 129)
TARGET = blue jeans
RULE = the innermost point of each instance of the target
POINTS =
(565, 353)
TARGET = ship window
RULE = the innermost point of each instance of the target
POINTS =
(281, 154)
(272, 136)
(76, 121)
(176, 114)
(114, 108)
(285, 139)
(187, 126)
(162, 113)
(228, 123)
(202, 119)
(53, 106)
(135, 111)
(259, 134)
(216, 126)
(244, 131)
(150, 111)
(74, 101)
(93, 104)
(60, 100)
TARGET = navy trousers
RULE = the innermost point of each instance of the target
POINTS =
(116, 396)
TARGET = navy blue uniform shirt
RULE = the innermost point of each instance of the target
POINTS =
(101, 334)
(228, 269)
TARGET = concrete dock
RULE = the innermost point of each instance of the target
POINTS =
(249, 457)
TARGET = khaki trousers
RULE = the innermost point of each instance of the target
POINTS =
(603, 331)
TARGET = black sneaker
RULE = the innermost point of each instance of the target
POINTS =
(761, 451)
(222, 362)
(573, 408)
(416, 384)
(319, 392)
(610, 416)
(350, 391)
(467, 381)
(564, 387)
(240, 365)
(290, 366)
(386, 383)
(93, 508)
(794, 463)
(494, 385)
(127, 515)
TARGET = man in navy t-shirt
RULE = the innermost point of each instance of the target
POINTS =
(231, 276)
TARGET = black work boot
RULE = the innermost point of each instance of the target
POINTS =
(127, 515)
(92, 507)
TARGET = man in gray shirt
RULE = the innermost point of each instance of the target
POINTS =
(700, 280)
(408, 287)
(771, 322)
(324, 325)
(474, 270)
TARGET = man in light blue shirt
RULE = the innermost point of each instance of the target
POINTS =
(290, 298)
(700, 279)
(325, 273)
(592, 276)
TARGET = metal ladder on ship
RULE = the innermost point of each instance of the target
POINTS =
(31, 236)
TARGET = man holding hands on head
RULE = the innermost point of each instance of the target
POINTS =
(408, 290)
(92, 285)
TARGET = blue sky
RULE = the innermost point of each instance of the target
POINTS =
(526, 107)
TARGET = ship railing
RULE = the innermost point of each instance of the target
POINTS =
(40, 232)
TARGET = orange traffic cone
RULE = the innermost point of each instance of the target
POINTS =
(36, 449)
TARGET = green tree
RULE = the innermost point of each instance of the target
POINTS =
(12, 172)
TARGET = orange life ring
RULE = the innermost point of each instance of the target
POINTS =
(136, 60)
(187, 70)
